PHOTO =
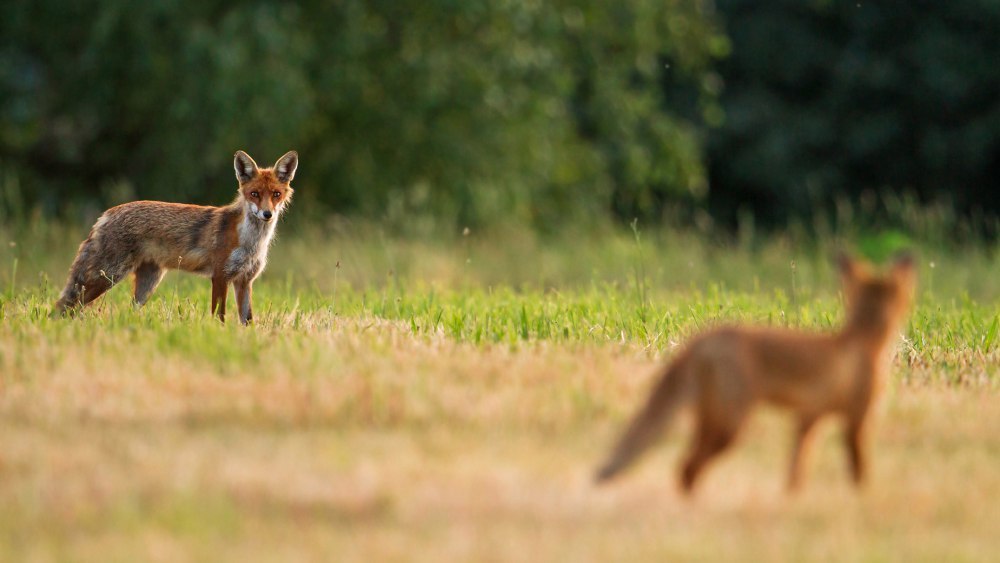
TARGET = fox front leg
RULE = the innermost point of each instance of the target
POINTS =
(856, 442)
(244, 292)
(219, 289)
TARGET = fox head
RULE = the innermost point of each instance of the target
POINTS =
(266, 192)
(876, 301)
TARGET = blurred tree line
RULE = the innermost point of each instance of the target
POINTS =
(828, 100)
(471, 112)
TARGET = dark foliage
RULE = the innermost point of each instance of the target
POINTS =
(468, 111)
(828, 100)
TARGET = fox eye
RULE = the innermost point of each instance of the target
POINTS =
(254, 194)
(277, 195)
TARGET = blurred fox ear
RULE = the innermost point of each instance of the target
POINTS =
(904, 266)
(850, 274)
(847, 266)
(245, 167)
(904, 260)
(285, 168)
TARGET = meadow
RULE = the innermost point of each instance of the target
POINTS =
(447, 398)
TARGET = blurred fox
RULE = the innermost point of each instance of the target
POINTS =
(727, 371)
(145, 238)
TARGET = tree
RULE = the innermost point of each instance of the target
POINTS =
(828, 100)
(472, 111)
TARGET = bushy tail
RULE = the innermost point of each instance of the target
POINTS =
(670, 393)
(72, 296)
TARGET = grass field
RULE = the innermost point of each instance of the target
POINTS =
(407, 400)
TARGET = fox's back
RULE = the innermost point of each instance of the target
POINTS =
(782, 366)
(154, 218)
(172, 235)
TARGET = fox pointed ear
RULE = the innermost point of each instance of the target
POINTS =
(847, 266)
(849, 272)
(904, 266)
(904, 261)
(285, 168)
(245, 167)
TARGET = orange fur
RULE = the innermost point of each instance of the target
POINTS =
(146, 238)
(727, 371)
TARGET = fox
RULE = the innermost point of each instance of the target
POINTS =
(146, 238)
(726, 372)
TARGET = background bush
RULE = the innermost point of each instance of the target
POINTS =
(466, 113)
(468, 110)
(826, 100)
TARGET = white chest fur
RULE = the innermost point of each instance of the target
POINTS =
(248, 259)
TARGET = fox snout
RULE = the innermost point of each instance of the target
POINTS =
(262, 214)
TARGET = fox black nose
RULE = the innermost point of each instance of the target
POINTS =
(267, 215)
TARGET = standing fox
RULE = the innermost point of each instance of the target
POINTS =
(725, 372)
(146, 238)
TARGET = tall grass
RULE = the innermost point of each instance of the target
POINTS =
(444, 397)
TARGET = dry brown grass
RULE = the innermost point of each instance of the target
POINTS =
(354, 440)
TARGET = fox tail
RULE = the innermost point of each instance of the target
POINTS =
(671, 392)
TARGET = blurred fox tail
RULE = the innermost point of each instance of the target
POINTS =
(670, 393)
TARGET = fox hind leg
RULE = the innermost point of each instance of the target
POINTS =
(716, 431)
(147, 277)
(84, 288)
(801, 447)
(707, 445)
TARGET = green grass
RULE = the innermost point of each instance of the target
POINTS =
(403, 399)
